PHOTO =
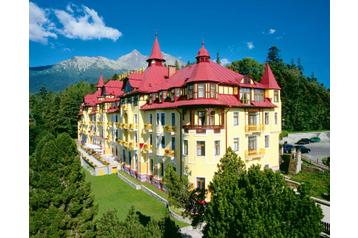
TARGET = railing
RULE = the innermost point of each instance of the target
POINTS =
(168, 152)
(132, 126)
(257, 152)
(147, 148)
(132, 145)
(170, 129)
(202, 129)
(148, 127)
(254, 127)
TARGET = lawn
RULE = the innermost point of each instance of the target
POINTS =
(318, 180)
(111, 192)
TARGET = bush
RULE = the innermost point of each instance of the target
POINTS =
(283, 134)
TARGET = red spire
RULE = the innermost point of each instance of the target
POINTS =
(268, 79)
(100, 82)
(203, 54)
(156, 53)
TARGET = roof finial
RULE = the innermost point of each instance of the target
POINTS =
(202, 43)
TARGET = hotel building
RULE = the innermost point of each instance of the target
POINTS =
(186, 117)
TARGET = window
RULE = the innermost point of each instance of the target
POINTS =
(201, 118)
(158, 118)
(236, 118)
(136, 137)
(162, 118)
(236, 144)
(151, 166)
(160, 96)
(158, 142)
(135, 118)
(252, 143)
(200, 148)
(253, 118)
(151, 118)
(267, 166)
(267, 141)
(164, 95)
(173, 118)
(200, 183)
(129, 158)
(173, 143)
(276, 118)
(177, 92)
(245, 96)
(213, 90)
(212, 118)
(161, 169)
(190, 91)
(275, 96)
(267, 119)
(150, 139)
(201, 90)
(217, 147)
(123, 156)
(185, 150)
(259, 95)
(163, 142)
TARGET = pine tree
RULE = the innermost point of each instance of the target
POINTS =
(273, 55)
(257, 203)
(177, 66)
(218, 61)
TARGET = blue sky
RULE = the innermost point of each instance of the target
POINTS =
(237, 29)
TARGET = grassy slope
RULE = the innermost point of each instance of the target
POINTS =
(111, 192)
(318, 181)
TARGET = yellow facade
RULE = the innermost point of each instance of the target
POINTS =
(201, 135)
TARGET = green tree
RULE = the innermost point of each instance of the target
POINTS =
(115, 77)
(61, 204)
(218, 61)
(273, 55)
(177, 65)
(109, 226)
(257, 203)
(178, 187)
(248, 66)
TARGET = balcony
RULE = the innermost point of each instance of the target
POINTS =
(253, 153)
(148, 127)
(254, 128)
(118, 125)
(168, 152)
(170, 129)
(132, 126)
(124, 126)
(202, 129)
(132, 146)
(147, 148)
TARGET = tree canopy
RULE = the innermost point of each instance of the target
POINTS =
(305, 102)
(257, 203)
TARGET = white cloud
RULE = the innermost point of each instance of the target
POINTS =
(271, 31)
(40, 28)
(225, 61)
(250, 45)
(86, 26)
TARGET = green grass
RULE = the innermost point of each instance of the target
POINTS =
(111, 192)
(148, 185)
(318, 180)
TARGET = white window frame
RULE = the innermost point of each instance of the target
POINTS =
(236, 141)
(217, 151)
(235, 117)
(267, 141)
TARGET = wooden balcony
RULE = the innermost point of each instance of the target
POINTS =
(254, 128)
(202, 129)
(132, 126)
(132, 146)
(252, 153)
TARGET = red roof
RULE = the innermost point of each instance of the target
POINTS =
(100, 82)
(222, 100)
(114, 87)
(203, 52)
(268, 79)
(156, 53)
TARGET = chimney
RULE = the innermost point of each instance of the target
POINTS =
(171, 70)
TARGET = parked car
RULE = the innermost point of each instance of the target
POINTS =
(315, 139)
(303, 149)
(303, 141)
(287, 148)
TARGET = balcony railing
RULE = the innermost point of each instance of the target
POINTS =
(254, 127)
(257, 152)
(168, 152)
(132, 145)
(147, 148)
(132, 126)
(148, 127)
(169, 129)
(202, 129)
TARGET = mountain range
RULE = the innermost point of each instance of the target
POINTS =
(59, 76)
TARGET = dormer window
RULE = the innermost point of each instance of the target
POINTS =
(245, 96)
(213, 90)
(190, 91)
(160, 96)
(259, 95)
(177, 92)
(275, 96)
